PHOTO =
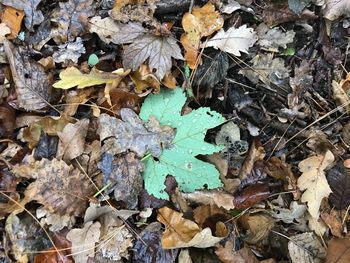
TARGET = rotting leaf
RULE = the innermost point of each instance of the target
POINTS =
(55, 221)
(234, 40)
(72, 24)
(339, 181)
(131, 133)
(314, 181)
(123, 173)
(274, 38)
(181, 232)
(83, 241)
(32, 82)
(33, 17)
(59, 187)
(178, 159)
(71, 77)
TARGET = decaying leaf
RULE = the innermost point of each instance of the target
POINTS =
(306, 248)
(143, 78)
(274, 38)
(71, 77)
(295, 212)
(83, 241)
(181, 232)
(339, 181)
(314, 181)
(202, 22)
(339, 250)
(340, 96)
(59, 187)
(234, 40)
(131, 133)
(227, 254)
(70, 51)
(72, 24)
(4, 30)
(123, 173)
(55, 221)
(33, 17)
(32, 82)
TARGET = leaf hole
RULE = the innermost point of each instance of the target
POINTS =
(26, 75)
(211, 115)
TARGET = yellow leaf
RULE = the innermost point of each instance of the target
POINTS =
(314, 181)
(72, 77)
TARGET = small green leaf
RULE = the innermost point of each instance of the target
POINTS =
(179, 159)
(93, 60)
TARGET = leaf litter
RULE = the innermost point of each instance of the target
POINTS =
(174, 131)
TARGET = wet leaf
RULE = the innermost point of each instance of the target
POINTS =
(71, 77)
(306, 247)
(179, 160)
(33, 84)
(72, 24)
(314, 181)
(251, 195)
(148, 247)
(33, 17)
(339, 181)
(234, 40)
(202, 22)
(59, 187)
(72, 140)
(339, 250)
(123, 173)
(12, 18)
(83, 241)
(131, 133)
(181, 232)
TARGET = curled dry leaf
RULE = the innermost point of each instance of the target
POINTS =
(143, 78)
(200, 23)
(258, 226)
(32, 82)
(340, 96)
(83, 241)
(181, 232)
(314, 181)
(59, 187)
(212, 197)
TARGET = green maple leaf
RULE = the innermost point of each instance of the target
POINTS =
(179, 159)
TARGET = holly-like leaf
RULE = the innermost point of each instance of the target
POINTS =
(71, 77)
(314, 181)
(179, 159)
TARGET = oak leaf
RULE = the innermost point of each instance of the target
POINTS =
(314, 181)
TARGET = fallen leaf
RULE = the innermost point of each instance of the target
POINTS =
(288, 216)
(7, 120)
(209, 215)
(333, 220)
(123, 174)
(230, 7)
(202, 22)
(258, 226)
(314, 181)
(55, 221)
(340, 96)
(59, 187)
(180, 232)
(339, 250)
(211, 197)
(83, 241)
(72, 140)
(71, 77)
(143, 78)
(4, 30)
(227, 254)
(157, 49)
(33, 84)
(184, 256)
(334, 9)
(105, 28)
(12, 18)
(297, 6)
(339, 181)
(134, 10)
(274, 38)
(131, 133)
(72, 24)
(306, 247)
(70, 51)
(234, 40)
(251, 195)
(76, 97)
(46, 147)
(149, 248)
(33, 17)
(317, 225)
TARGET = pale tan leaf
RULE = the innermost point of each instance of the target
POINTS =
(314, 182)
(336, 8)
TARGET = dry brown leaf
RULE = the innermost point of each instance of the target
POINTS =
(202, 215)
(12, 17)
(339, 250)
(4, 30)
(340, 96)
(180, 232)
(258, 226)
(72, 140)
(59, 187)
(201, 23)
(211, 197)
(76, 97)
(33, 84)
(333, 219)
(55, 221)
(314, 182)
(134, 10)
(143, 79)
(228, 255)
(83, 241)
